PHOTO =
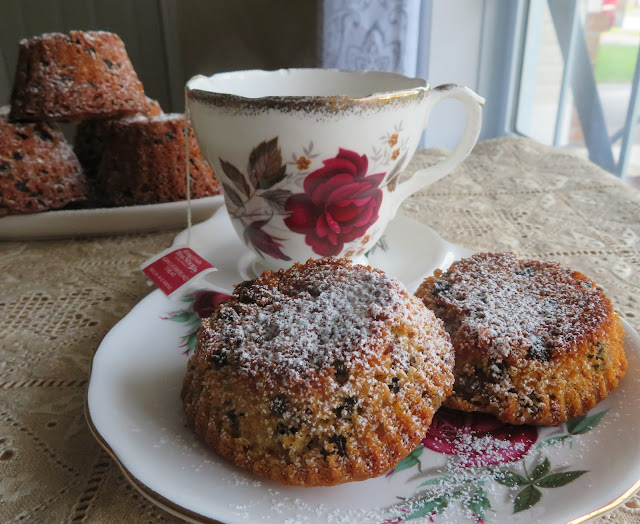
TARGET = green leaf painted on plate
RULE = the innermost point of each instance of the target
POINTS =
(583, 424)
(526, 499)
(427, 507)
(194, 321)
(192, 340)
(479, 503)
(541, 469)
(188, 299)
(511, 479)
(180, 316)
(438, 481)
(410, 461)
(556, 480)
(553, 440)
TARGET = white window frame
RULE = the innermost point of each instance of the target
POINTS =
(509, 72)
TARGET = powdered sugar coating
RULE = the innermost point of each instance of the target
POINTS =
(318, 315)
(89, 35)
(523, 307)
(164, 117)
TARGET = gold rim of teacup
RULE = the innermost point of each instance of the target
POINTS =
(329, 104)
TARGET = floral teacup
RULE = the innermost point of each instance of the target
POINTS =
(311, 160)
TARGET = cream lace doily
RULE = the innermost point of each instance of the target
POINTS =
(58, 299)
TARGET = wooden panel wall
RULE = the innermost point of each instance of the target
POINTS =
(170, 40)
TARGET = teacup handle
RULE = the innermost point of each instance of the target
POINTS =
(473, 106)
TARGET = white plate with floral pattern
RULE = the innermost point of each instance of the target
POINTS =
(469, 468)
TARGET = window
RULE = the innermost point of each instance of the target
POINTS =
(578, 84)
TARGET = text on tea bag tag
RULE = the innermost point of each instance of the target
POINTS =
(175, 268)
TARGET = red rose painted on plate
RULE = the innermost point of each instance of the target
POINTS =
(206, 302)
(340, 202)
(479, 439)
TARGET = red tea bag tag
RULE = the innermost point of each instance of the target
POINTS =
(175, 268)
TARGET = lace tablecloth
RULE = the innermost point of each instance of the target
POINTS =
(58, 299)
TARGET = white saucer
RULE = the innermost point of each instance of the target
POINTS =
(409, 251)
(134, 410)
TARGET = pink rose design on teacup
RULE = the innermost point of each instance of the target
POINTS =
(340, 202)
(478, 439)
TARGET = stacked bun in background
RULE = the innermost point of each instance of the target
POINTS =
(127, 151)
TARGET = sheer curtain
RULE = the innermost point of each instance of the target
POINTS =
(472, 43)
(438, 40)
(381, 35)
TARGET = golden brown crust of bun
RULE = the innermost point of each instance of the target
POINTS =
(38, 169)
(75, 77)
(90, 135)
(321, 374)
(535, 342)
(143, 162)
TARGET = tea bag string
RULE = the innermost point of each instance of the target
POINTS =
(187, 119)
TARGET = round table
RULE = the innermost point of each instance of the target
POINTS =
(58, 299)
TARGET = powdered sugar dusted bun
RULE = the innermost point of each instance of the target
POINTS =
(535, 342)
(38, 169)
(74, 77)
(143, 162)
(324, 373)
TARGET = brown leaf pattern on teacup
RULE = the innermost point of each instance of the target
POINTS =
(265, 170)
(262, 241)
(265, 165)
(276, 198)
(236, 178)
(233, 196)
